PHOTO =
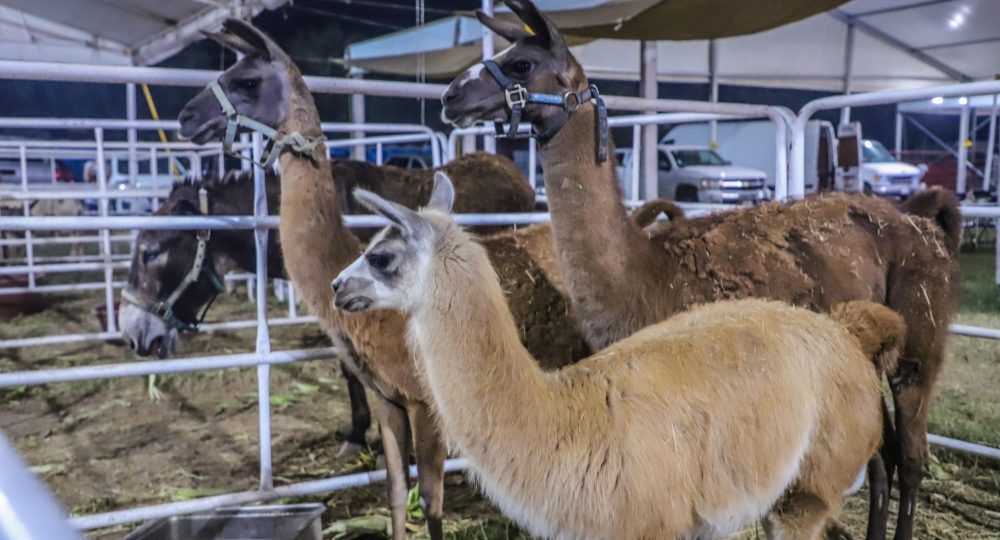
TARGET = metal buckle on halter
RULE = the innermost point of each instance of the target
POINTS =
(571, 101)
(517, 96)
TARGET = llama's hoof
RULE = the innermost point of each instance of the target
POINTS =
(350, 451)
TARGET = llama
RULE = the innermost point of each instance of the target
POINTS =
(690, 428)
(316, 244)
(484, 182)
(813, 253)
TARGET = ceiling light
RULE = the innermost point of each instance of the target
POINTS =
(963, 101)
(938, 100)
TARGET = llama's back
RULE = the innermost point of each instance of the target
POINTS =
(701, 422)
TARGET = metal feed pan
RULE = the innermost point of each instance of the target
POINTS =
(284, 522)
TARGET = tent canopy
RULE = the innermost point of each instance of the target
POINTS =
(119, 32)
(897, 44)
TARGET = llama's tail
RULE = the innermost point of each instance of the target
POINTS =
(880, 330)
(646, 214)
(941, 207)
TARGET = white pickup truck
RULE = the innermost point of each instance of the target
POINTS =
(689, 173)
(885, 175)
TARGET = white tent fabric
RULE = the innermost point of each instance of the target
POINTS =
(116, 32)
(897, 44)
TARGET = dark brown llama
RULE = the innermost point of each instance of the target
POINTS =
(815, 253)
(317, 245)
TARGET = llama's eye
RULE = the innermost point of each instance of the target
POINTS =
(248, 84)
(149, 256)
(379, 261)
(520, 67)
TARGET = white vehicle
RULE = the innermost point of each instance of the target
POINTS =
(886, 176)
(690, 173)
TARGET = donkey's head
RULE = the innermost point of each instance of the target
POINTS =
(390, 273)
(160, 262)
(538, 60)
(258, 86)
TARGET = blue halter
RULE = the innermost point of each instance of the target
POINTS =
(517, 97)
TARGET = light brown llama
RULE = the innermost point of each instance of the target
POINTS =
(267, 86)
(690, 428)
(813, 253)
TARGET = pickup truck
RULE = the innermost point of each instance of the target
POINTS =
(885, 175)
(688, 173)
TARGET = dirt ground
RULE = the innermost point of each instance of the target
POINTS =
(105, 445)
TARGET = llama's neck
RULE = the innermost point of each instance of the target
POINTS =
(486, 385)
(596, 243)
(315, 242)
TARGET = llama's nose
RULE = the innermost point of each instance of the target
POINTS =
(186, 115)
(336, 285)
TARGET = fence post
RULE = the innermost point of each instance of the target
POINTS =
(263, 333)
(29, 246)
(102, 189)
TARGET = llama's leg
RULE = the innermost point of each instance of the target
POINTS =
(880, 471)
(912, 397)
(799, 516)
(360, 416)
(431, 454)
(396, 441)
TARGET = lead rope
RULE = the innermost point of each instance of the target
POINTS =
(295, 141)
(517, 97)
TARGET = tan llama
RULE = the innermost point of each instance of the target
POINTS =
(690, 428)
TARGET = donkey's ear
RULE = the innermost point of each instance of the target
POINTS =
(230, 41)
(407, 221)
(539, 24)
(185, 207)
(508, 30)
(261, 44)
(443, 194)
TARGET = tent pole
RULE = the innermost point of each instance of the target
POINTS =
(648, 89)
(713, 89)
(990, 140)
(845, 113)
(357, 115)
(489, 142)
(963, 151)
(899, 134)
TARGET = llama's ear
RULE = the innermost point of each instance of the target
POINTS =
(407, 221)
(508, 30)
(249, 33)
(231, 41)
(443, 194)
(539, 24)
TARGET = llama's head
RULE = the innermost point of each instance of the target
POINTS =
(538, 60)
(391, 272)
(258, 86)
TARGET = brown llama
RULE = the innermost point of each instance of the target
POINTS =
(268, 87)
(691, 428)
(813, 253)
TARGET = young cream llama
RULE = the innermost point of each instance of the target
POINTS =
(691, 428)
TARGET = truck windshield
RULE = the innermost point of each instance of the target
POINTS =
(685, 158)
(874, 152)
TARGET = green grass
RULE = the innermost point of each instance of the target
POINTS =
(967, 405)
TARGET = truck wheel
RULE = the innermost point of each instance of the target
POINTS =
(687, 194)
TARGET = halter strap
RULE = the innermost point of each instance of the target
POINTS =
(295, 141)
(517, 97)
(164, 309)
